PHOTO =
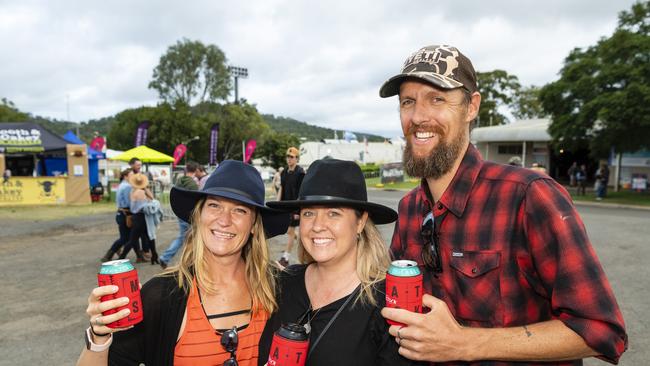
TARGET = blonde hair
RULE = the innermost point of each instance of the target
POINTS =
(259, 270)
(372, 260)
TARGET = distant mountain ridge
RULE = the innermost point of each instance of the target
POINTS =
(88, 129)
(310, 132)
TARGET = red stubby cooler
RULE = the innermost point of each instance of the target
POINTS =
(289, 346)
(122, 274)
(404, 287)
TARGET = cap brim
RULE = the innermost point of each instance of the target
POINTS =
(183, 201)
(391, 86)
(379, 214)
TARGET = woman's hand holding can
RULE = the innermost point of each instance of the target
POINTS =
(96, 308)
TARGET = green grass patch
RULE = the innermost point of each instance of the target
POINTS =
(624, 197)
(409, 183)
(53, 212)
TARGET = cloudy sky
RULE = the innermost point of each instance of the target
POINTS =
(316, 61)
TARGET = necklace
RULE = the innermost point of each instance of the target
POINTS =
(310, 314)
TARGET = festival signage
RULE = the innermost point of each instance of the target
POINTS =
(32, 191)
(179, 152)
(141, 133)
(392, 173)
(98, 144)
(214, 139)
(250, 149)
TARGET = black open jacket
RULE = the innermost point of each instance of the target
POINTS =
(152, 341)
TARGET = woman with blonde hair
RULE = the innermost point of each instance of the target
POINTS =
(338, 292)
(211, 308)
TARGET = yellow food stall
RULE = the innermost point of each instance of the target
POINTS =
(24, 149)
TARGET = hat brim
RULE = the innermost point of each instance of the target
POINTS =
(183, 201)
(391, 87)
(379, 214)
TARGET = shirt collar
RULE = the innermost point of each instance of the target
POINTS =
(457, 193)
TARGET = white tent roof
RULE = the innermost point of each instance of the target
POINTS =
(523, 130)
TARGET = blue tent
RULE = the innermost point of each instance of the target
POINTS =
(60, 164)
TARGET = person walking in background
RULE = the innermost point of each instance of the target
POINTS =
(139, 197)
(136, 165)
(123, 201)
(581, 180)
(521, 285)
(277, 181)
(290, 181)
(602, 179)
(153, 216)
(185, 182)
(202, 175)
(572, 174)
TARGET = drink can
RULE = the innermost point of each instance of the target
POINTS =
(404, 287)
(122, 274)
(289, 346)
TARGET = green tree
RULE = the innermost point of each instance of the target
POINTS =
(273, 150)
(191, 72)
(237, 123)
(526, 104)
(602, 98)
(498, 89)
(9, 112)
(170, 125)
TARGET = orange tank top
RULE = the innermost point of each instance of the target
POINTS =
(200, 344)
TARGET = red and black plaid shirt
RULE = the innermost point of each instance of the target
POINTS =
(514, 252)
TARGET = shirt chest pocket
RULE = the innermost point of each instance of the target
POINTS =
(476, 287)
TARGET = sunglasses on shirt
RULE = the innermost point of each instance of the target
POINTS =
(431, 236)
(229, 341)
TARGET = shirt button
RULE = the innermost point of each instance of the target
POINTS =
(440, 206)
(474, 270)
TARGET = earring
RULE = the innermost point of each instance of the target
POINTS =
(358, 237)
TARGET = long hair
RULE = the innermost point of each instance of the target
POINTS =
(372, 260)
(259, 271)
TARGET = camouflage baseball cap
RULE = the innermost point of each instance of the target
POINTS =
(440, 65)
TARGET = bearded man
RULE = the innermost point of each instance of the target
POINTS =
(510, 276)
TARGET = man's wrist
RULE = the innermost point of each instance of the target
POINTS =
(479, 347)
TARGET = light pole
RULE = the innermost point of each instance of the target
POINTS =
(238, 72)
(186, 142)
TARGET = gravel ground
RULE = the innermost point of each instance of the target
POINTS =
(48, 270)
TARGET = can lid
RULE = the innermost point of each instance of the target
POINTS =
(116, 266)
(404, 268)
(292, 331)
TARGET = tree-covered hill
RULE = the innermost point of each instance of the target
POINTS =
(310, 132)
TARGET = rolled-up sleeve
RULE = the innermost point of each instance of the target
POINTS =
(581, 296)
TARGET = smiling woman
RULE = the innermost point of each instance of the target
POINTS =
(212, 307)
(336, 295)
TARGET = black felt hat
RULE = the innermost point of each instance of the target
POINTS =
(332, 182)
(237, 181)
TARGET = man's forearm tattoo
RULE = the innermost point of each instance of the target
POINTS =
(528, 332)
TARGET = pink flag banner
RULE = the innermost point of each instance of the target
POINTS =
(179, 152)
(250, 149)
(98, 144)
(141, 133)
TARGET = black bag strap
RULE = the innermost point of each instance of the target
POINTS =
(329, 324)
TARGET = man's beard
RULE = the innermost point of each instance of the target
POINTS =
(439, 161)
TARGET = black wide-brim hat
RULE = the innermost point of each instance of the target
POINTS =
(333, 182)
(237, 181)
